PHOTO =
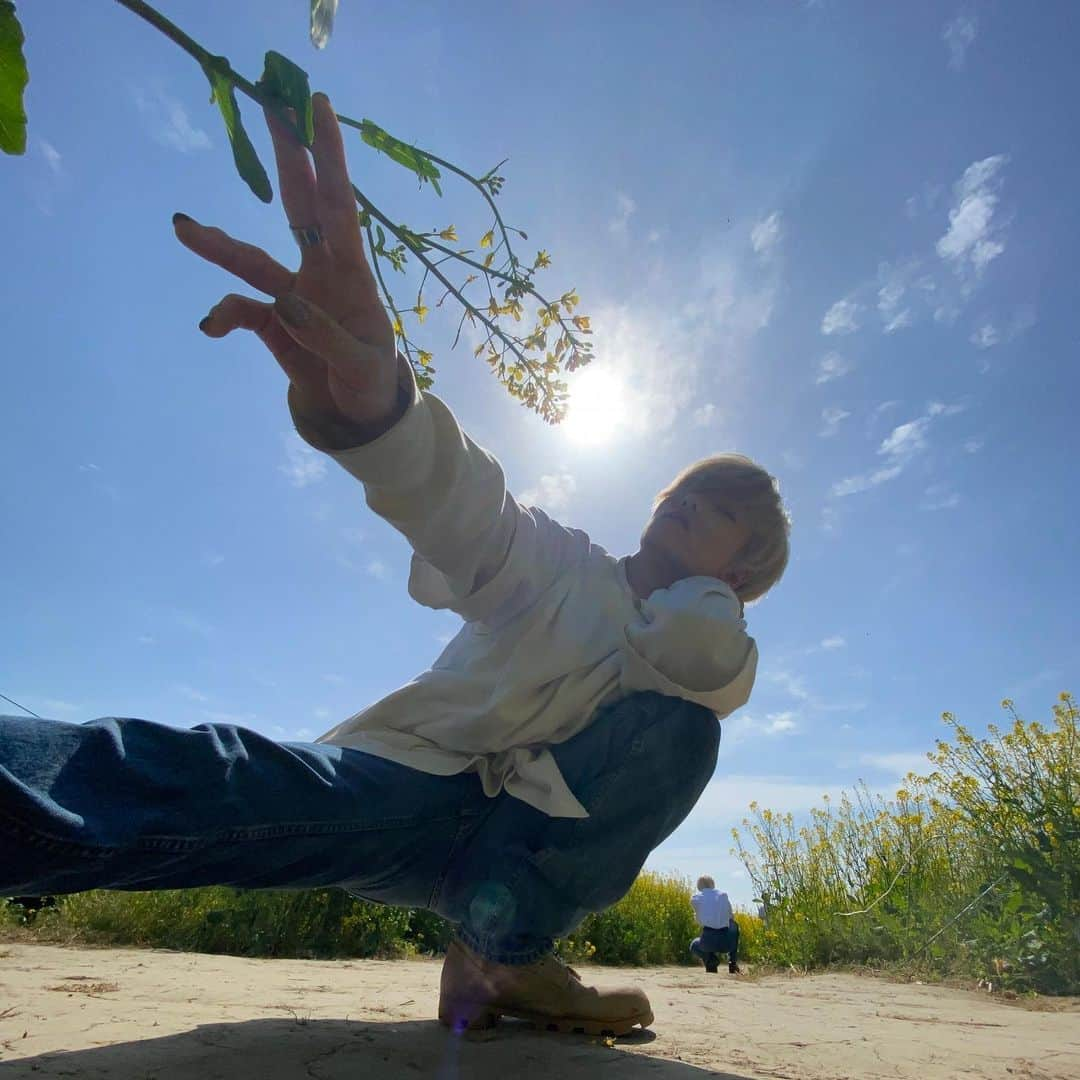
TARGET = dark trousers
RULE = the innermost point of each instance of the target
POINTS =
(129, 804)
(714, 941)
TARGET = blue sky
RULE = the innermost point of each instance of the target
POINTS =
(838, 237)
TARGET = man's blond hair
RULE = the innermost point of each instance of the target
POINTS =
(755, 494)
(705, 882)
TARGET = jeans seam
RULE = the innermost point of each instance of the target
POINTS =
(165, 842)
(50, 842)
(468, 822)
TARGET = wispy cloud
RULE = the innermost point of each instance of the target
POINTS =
(52, 157)
(552, 491)
(833, 366)
(834, 642)
(959, 35)
(973, 446)
(625, 208)
(378, 570)
(168, 122)
(841, 318)
(903, 444)
(743, 726)
(974, 238)
(304, 465)
(940, 497)
(192, 694)
(765, 235)
(831, 420)
(897, 763)
(990, 333)
(704, 416)
(57, 705)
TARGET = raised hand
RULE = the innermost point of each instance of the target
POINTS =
(327, 327)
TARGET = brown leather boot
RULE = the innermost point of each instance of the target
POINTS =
(475, 992)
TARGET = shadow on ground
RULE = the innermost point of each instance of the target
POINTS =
(276, 1049)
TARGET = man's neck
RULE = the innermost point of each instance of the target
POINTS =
(646, 572)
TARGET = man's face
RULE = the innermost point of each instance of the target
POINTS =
(699, 531)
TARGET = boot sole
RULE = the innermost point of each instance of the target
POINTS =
(483, 1018)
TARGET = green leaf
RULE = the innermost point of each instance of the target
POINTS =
(322, 21)
(286, 83)
(247, 161)
(402, 153)
(13, 80)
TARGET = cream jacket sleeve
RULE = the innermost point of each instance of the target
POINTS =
(692, 643)
(476, 550)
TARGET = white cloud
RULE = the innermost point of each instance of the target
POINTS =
(305, 465)
(973, 241)
(744, 726)
(192, 694)
(986, 336)
(625, 210)
(958, 35)
(792, 684)
(552, 492)
(852, 485)
(973, 446)
(832, 418)
(704, 416)
(940, 497)
(168, 121)
(378, 570)
(841, 318)
(834, 642)
(833, 366)
(898, 763)
(904, 443)
(923, 201)
(247, 719)
(766, 234)
(56, 705)
(52, 156)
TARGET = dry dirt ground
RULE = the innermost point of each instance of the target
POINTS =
(158, 1015)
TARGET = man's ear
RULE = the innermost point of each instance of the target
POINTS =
(735, 577)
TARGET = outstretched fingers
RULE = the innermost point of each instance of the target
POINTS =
(246, 261)
(337, 204)
(235, 312)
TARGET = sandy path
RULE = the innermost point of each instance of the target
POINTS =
(113, 1013)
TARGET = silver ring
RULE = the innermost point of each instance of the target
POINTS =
(306, 235)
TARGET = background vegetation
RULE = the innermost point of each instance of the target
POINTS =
(971, 871)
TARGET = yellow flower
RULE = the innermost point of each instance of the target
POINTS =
(449, 233)
(542, 259)
(425, 358)
(487, 239)
(399, 330)
(421, 311)
(488, 259)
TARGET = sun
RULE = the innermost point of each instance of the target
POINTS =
(597, 410)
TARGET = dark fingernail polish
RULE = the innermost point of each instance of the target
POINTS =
(292, 309)
(204, 323)
(178, 217)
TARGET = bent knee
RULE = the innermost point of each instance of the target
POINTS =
(683, 734)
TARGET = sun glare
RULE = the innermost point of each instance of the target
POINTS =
(597, 408)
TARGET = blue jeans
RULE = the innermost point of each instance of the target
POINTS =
(715, 940)
(129, 804)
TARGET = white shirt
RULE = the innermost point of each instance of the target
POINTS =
(552, 628)
(712, 908)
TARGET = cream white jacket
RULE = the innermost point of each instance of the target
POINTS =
(552, 628)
